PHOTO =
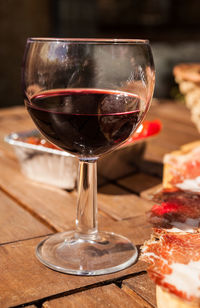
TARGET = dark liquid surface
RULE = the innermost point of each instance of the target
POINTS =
(85, 122)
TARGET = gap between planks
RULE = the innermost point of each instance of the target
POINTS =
(137, 297)
(116, 281)
(40, 218)
(26, 239)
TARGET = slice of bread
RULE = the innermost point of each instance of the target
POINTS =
(168, 300)
(168, 168)
(174, 165)
(187, 72)
(182, 168)
(187, 76)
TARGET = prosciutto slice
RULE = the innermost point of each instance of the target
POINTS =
(183, 169)
(177, 209)
(174, 262)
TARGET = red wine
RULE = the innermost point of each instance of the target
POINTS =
(85, 122)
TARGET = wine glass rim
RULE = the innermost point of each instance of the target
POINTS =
(88, 40)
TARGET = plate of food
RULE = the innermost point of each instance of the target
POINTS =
(173, 251)
(43, 162)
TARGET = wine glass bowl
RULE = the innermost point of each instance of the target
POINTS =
(87, 96)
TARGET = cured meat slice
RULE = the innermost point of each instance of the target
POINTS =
(174, 260)
(176, 209)
(173, 252)
(182, 168)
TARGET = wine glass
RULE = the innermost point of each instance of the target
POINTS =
(87, 96)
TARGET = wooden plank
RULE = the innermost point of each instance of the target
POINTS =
(28, 274)
(174, 110)
(112, 189)
(143, 286)
(58, 207)
(19, 266)
(137, 229)
(175, 134)
(120, 204)
(14, 119)
(139, 182)
(177, 129)
(54, 206)
(158, 147)
(16, 223)
(119, 163)
(101, 180)
(148, 194)
(151, 167)
(155, 151)
(106, 296)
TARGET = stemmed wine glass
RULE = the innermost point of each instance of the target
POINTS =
(87, 96)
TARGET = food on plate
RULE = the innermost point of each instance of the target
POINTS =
(38, 140)
(187, 72)
(43, 162)
(182, 168)
(187, 75)
(173, 251)
(174, 265)
(176, 210)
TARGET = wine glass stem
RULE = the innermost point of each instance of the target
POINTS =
(86, 220)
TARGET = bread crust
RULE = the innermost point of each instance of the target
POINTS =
(187, 71)
(168, 300)
(168, 169)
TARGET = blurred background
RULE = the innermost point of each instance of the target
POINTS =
(173, 27)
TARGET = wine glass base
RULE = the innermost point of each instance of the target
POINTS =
(101, 254)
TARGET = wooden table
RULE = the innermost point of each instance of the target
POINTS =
(31, 211)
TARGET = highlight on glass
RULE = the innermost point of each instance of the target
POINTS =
(87, 96)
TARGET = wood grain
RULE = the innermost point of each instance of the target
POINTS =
(149, 193)
(177, 129)
(176, 111)
(107, 296)
(58, 207)
(54, 206)
(14, 119)
(143, 286)
(112, 189)
(30, 209)
(16, 223)
(138, 182)
(24, 279)
(120, 204)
